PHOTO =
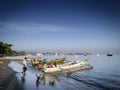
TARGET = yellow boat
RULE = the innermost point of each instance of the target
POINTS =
(57, 61)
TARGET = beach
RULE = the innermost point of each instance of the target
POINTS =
(11, 58)
(8, 80)
(104, 76)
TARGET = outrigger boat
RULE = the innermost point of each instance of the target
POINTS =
(57, 61)
(69, 67)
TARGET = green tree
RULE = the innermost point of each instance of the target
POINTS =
(5, 49)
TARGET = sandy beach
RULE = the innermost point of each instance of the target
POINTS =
(11, 58)
(8, 80)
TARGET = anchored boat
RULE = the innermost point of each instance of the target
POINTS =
(109, 54)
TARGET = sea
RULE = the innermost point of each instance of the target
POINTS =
(104, 76)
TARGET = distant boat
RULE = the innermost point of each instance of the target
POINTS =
(109, 54)
(97, 54)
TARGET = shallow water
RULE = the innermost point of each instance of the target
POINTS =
(104, 76)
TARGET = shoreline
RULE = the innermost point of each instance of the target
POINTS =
(8, 80)
(16, 59)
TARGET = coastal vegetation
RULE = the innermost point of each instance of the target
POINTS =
(6, 50)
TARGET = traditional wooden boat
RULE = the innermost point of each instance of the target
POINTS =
(68, 67)
(57, 61)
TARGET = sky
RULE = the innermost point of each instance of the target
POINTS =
(61, 25)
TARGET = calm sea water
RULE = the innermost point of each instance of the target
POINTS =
(104, 76)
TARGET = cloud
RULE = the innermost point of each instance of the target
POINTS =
(32, 27)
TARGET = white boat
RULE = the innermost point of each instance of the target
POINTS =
(67, 66)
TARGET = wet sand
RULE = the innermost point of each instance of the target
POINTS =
(8, 80)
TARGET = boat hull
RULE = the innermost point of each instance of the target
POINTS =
(63, 70)
(68, 67)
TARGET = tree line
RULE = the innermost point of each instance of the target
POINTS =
(6, 50)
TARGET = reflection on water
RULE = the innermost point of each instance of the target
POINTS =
(50, 79)
(23, 78)
(104, 76)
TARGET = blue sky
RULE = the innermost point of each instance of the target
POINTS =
(61, 25)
